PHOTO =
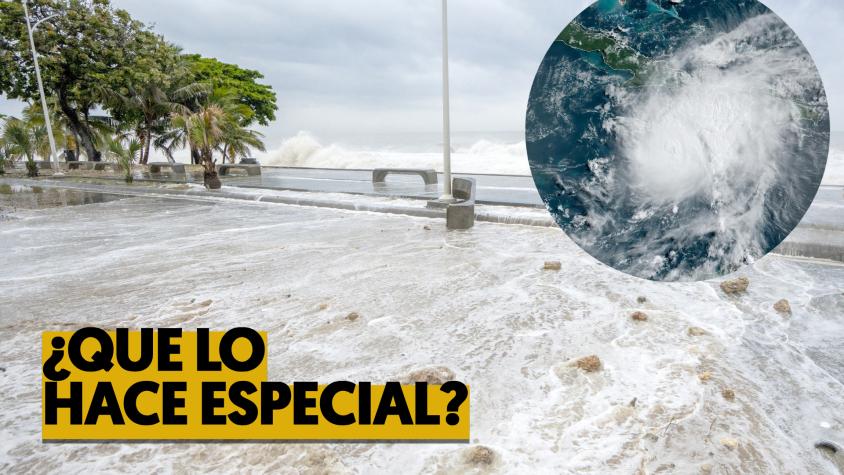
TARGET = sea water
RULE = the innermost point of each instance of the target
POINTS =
(501, 152)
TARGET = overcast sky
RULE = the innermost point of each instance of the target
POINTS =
(366, 66)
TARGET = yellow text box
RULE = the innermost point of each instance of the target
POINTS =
(232, 405)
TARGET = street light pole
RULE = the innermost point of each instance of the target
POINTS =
(47, 123)
(446, 196)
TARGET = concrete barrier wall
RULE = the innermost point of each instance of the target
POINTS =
(803, 242)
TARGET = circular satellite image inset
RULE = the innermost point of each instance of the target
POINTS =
(677, 140)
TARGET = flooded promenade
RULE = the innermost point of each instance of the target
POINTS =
(709, 382)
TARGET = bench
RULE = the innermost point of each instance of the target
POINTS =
(155, 168)
(380, 174)
(461, 215)
(251, 170)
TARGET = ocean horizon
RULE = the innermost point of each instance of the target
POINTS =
(495, 152)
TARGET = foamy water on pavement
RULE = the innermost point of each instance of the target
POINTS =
(476, 302)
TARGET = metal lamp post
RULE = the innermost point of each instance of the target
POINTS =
(30, 28)
(446, 196)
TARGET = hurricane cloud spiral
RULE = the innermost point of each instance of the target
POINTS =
(677, 140)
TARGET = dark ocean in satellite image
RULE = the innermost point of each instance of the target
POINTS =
(677, 140)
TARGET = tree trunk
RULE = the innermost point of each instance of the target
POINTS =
(226, 154)
(194, 156)
(142, 138)
(31, 167)
(86, 139)
(75, 144)
(147, 146)
(80, 129)
(212, 181)
(147, 139)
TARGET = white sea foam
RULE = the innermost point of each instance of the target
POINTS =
(483, 156)
(835, 167)
(476, 302)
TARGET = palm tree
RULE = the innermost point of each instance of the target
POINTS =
(4, 157)
(20, 141)
(125, 154)
(102, 128)
(237, 139)
(238, 142)
(151, 108)
(174, 139)
(204, 130)
(34, 117)
(214, 124)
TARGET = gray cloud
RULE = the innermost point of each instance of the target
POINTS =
(367, 66)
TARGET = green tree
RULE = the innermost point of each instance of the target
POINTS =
(203, 130)
(238, 142)
(33, 117)
(149, 108)
(237, 139)
(87, 49)
(242, 84)
(125, 152)
(21, 141)
(213, 125)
